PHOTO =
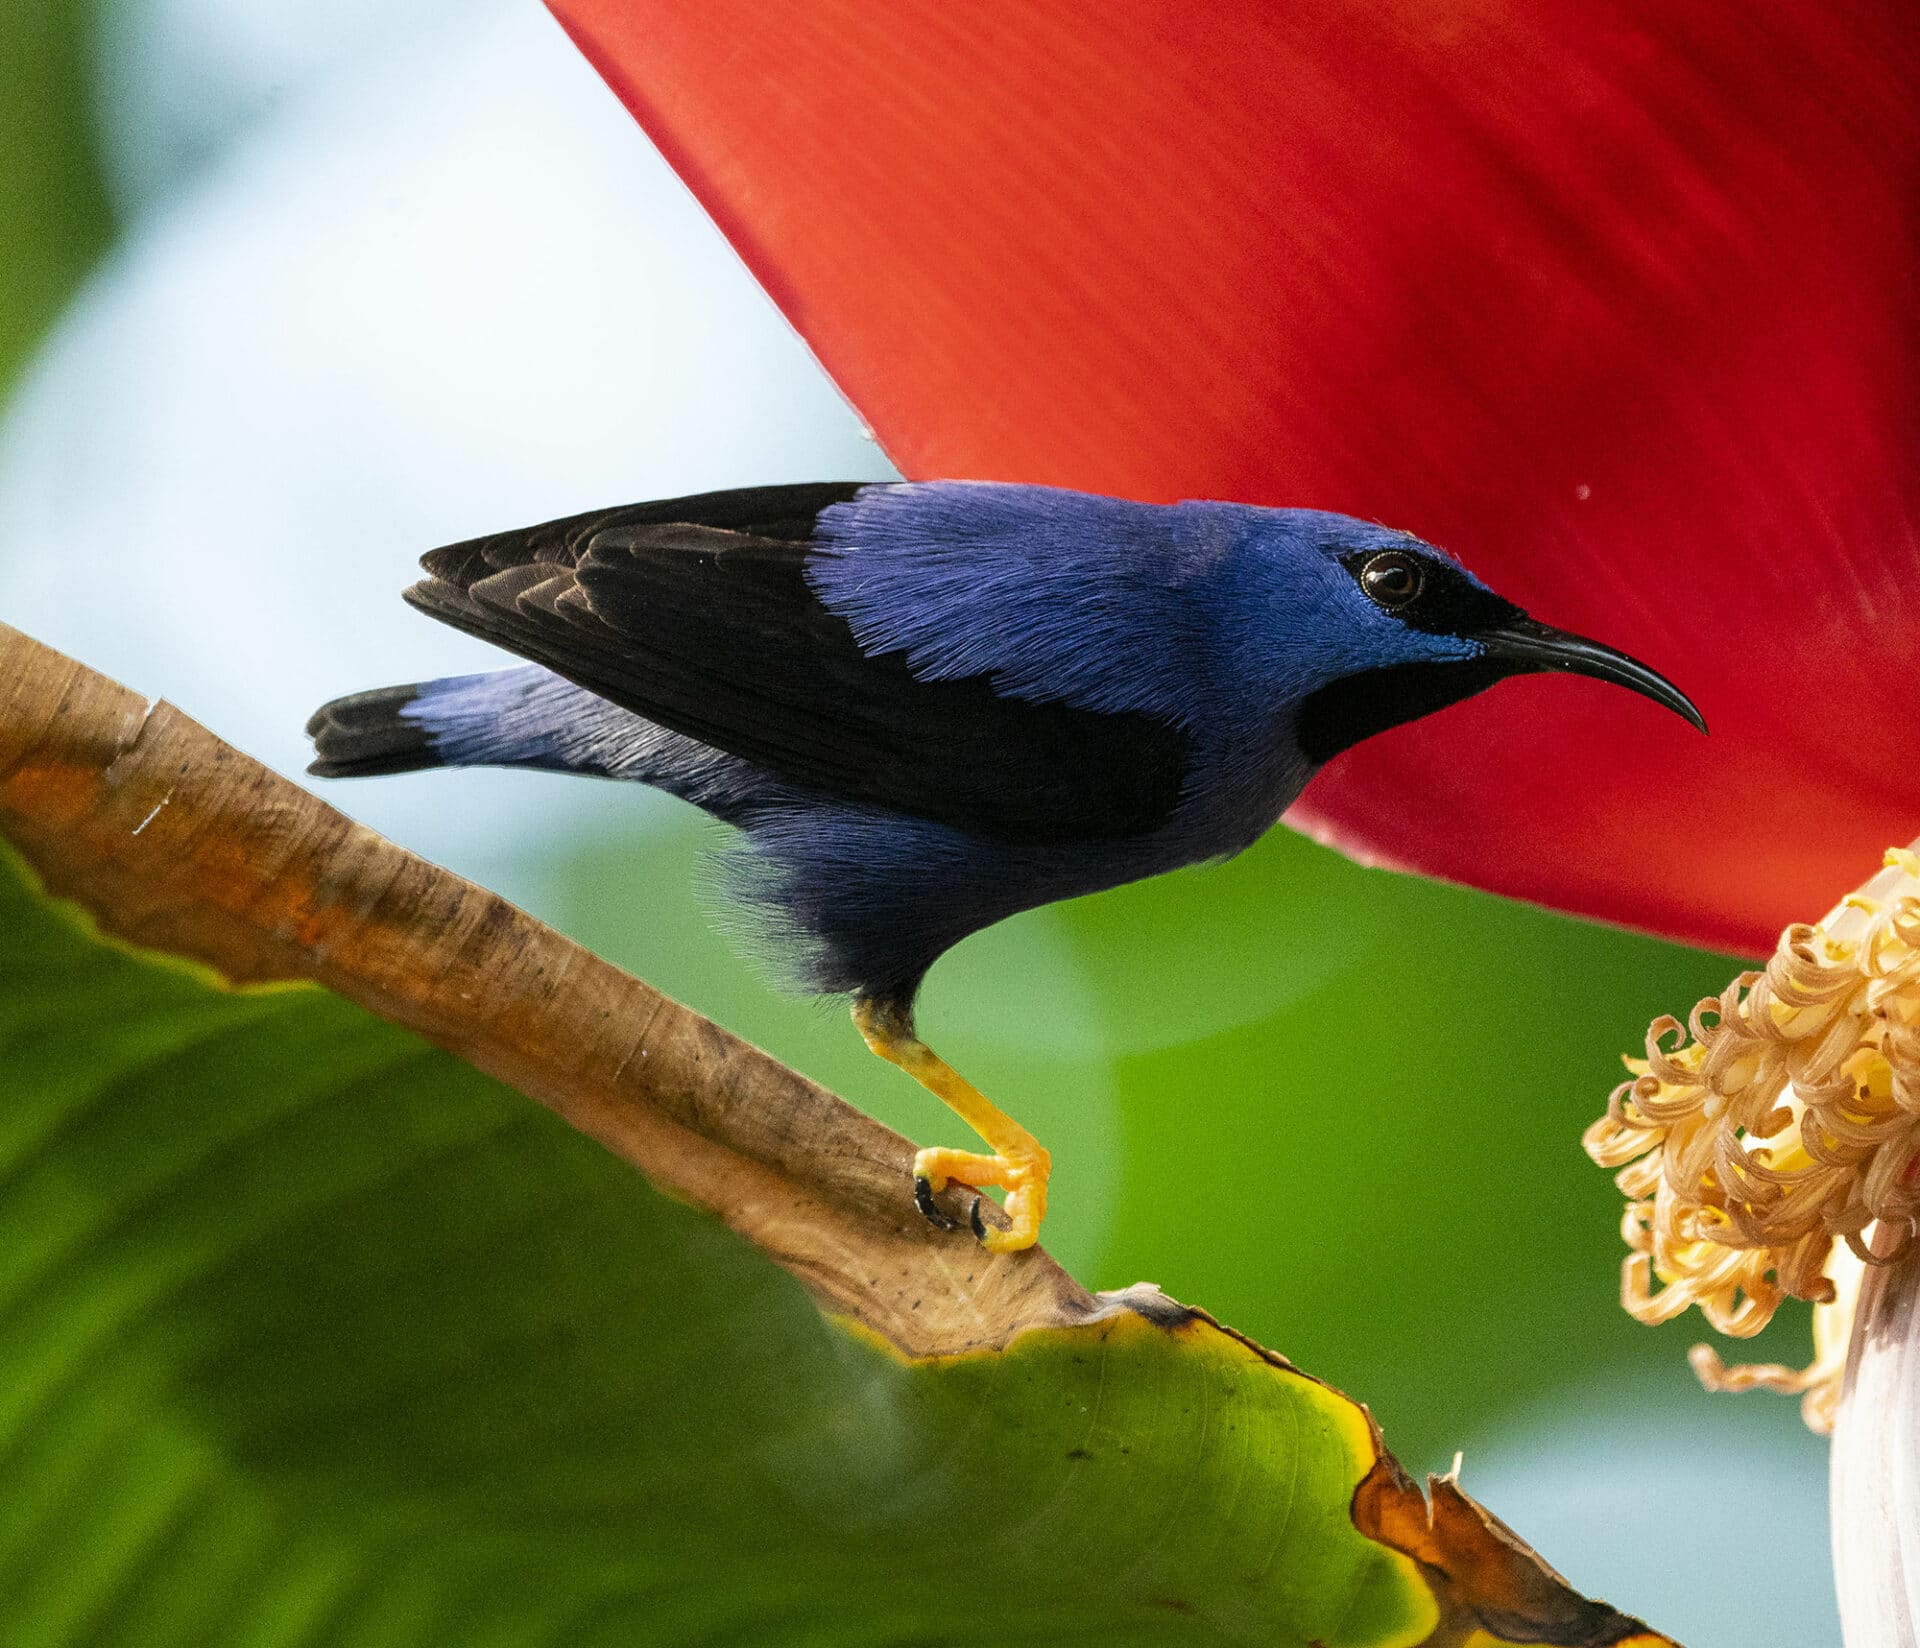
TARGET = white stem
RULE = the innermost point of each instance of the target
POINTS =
(1876, 1464)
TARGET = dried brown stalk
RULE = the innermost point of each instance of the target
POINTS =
(174, 840)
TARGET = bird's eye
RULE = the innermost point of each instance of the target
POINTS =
(1391, 579)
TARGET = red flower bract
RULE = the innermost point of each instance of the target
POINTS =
(1618, 302)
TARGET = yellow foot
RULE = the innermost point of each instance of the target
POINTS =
(1023, 1176)
(1018, 1164)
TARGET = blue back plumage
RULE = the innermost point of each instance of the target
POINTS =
(1217, 617)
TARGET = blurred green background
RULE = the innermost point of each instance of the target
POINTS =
(55, 220)
(290, 293)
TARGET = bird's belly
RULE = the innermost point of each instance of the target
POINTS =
(876, 897)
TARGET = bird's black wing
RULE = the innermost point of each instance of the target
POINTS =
(697, 614)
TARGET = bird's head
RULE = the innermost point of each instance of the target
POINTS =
(1400, 629)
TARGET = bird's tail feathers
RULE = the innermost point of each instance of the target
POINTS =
(503, 718)
(526, 717)
(367, 734)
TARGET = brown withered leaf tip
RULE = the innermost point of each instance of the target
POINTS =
(172, 840)
(1480, 1569)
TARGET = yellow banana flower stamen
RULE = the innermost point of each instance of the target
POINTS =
(1761, 1142)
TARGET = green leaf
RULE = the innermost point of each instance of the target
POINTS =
(54, 217)
(315, 1334)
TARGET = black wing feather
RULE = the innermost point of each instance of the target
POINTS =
(697, 614)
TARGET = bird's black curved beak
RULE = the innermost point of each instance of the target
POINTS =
(1526, 646)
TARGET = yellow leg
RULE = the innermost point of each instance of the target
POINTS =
(1019, 1163)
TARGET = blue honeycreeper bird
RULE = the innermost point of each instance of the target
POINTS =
(929, 705)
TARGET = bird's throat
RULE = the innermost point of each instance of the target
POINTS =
(1342, 713)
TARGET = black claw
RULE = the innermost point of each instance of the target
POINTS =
(923, 1199)
(973, 1218)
